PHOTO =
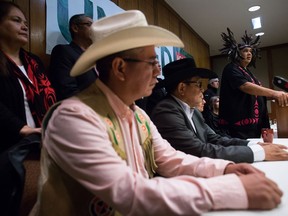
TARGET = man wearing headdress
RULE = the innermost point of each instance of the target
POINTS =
(243, 109)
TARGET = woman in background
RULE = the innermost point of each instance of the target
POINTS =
(212, 117)
(25, 96)
(25, 91)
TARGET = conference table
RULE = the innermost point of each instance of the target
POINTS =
(278, 172)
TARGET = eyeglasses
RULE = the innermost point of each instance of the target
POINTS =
(85, 23)
(198, 84)
(153, 63)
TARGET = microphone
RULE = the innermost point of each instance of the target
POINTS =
(281, 83)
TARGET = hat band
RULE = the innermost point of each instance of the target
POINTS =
(213, 80)
(242, 46)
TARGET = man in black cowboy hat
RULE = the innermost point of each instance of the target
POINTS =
(184, 127)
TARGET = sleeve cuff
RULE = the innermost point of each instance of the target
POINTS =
(233, 196)
(258, 152)
(250, 143)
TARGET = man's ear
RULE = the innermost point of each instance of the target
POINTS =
(119, 68)
(181, 88)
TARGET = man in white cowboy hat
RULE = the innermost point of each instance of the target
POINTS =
(100, 152)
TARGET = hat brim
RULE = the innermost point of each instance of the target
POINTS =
(187, 74)
(124, 40)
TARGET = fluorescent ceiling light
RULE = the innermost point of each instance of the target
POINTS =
(256, 22)
(254, 8)
(259, 34)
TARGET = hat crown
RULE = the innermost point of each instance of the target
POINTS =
(112, 24)
(182, 69)
(178, 66)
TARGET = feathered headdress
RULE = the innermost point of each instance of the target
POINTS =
(231, 48)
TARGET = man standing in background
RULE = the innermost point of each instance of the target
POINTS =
(64, 56)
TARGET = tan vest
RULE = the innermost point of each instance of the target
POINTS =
(62, 195)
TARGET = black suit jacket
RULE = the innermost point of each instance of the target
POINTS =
(12, 108)
(174, 126)
(63, 57)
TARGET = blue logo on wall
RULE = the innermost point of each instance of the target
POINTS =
(164, 54)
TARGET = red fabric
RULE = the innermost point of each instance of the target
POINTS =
(39, 93)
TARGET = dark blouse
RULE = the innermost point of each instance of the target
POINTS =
(242, 114)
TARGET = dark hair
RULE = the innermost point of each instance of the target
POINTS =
(104, 65)
(171, 88)
(5, 8)
(213, 99)
(74, 20)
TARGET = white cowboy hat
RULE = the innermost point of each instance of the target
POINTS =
(123, 31)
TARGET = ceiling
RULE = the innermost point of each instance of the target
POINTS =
(209, 18)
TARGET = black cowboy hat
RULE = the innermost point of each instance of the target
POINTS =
(183, 69)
